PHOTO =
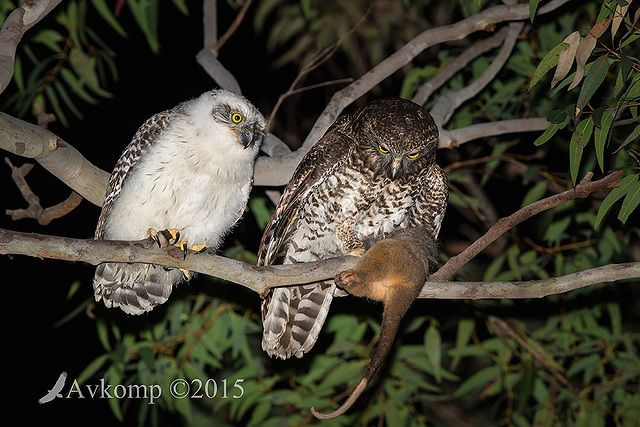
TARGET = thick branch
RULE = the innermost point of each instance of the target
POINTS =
(55, 155)
(261, 278)
(582, 190)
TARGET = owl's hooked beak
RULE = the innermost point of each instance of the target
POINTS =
(395, 166)
(249, 135)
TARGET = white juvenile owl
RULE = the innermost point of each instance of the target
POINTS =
(189, 168)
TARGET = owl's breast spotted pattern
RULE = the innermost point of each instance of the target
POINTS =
(341, 214)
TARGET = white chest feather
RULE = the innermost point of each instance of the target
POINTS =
(184, 182)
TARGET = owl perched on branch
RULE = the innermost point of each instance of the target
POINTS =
(188, 169)
(373, 172)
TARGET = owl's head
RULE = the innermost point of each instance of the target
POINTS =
(398, 136)
(225, 111)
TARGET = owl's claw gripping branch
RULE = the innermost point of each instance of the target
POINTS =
(164, 238)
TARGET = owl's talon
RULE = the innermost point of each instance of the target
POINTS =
(153, 234)
(163, 238)
(199, 248)
(174, 234)
(182, 244)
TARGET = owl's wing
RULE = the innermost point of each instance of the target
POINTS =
(293, 316)
(431, 201)
(146, 135)
(329, 153)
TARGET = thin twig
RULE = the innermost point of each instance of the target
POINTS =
(457, 137)
(583, 189)
(449, 102)
(316, 61)
(425, 91)
(35, 209)
(233, 27)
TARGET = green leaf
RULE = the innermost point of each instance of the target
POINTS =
(554, 127)
(433, 348)
(635, 134)
(615, 318)
(533, 7)
(92, 368)
(181, 5)
(49, 38)
(592, 82)
(465, 331)
(85, 67)
(554, 231)
(55, 105)
(145, 13)
(259, 413)
(305, 5)
(549, 61)
(480, 378)
(557, 116)
(261, 211)
(579, 140)
(103, 333)
(64, 96)
(601, 137)
(547, 134)
(626, 183)
(630, 202)
(105, 12)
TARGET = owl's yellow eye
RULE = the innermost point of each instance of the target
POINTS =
(413, 155)
(382, 149)
(236, 117)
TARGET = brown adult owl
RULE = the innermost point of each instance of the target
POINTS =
(372, 172)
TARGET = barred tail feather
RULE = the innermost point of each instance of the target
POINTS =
(134, 287)
(293, 317)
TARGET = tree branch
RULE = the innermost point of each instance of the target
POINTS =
(582, 190)
(17, 23)
(55, 155)
(208, 55)
(457, 137)
(449, 102)
(262, 278)
(531, 288)
(482, 21)
(35, 209)
(425, 91)
(258, 278)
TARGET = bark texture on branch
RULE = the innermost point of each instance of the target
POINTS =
(261, 278)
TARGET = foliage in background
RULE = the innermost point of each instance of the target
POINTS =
(66, 63)
(564, 360)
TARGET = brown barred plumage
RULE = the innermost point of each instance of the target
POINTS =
(373, 172)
